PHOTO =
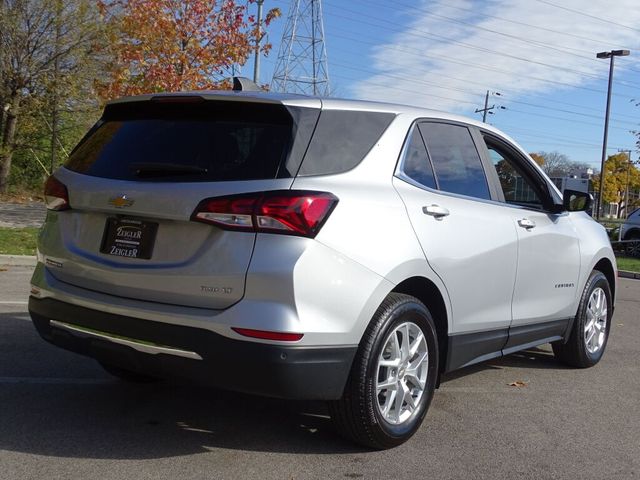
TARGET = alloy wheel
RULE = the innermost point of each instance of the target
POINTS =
(595, 328)
(401, 373)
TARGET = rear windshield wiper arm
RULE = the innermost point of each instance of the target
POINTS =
(158, 169)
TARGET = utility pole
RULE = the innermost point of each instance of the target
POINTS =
(629, 164)
(55, 107)
(626, 195)
(611, 55)
(489, 109)
(256, 60)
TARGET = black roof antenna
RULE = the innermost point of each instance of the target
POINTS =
(243, 84)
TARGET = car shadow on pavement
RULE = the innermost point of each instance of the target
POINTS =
(538, 357)
(111, 420)
(56, 403)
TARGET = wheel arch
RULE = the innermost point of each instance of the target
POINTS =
(428, 293)
(605, 266)
(633, 232)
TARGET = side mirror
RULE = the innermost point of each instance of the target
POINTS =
(575, 201)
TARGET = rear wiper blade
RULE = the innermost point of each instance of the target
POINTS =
(158, 169)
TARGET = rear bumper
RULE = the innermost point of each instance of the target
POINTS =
(166, 350)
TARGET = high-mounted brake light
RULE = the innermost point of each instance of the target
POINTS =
(287, 211)
(177, 99)
(268, 335)
(56, 195)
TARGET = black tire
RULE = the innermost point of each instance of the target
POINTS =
(633, 249)
(574, 352)
(128, 375)
(357, 415)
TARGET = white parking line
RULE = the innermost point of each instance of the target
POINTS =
(12, 302)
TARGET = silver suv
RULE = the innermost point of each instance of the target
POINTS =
(309, 248)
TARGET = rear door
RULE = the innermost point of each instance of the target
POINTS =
(138, 176)
(467, 239)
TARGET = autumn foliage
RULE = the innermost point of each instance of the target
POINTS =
(620, 174)
(176, 45)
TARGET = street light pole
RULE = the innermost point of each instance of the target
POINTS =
(256, 58)
(611, 55)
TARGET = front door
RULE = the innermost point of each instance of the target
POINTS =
(548, 251)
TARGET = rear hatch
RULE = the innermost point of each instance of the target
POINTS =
(136, 178)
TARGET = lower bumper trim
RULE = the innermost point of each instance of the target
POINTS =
(168, 350)
(129, 342)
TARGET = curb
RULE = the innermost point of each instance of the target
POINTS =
(18, 260)
(626, 274)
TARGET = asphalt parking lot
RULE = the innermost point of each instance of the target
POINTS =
(61, 416)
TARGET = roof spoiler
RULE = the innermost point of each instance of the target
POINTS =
(243, 84)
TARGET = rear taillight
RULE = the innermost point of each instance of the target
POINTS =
(56, 196)
(288, 211)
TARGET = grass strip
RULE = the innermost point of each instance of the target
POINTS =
(18, 241)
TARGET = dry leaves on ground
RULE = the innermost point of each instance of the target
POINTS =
(518, 383)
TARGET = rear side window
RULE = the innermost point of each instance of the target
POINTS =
(187, 142)
(456, 161)
(342, 139)
(416, 164)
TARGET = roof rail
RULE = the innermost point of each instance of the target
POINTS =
(243, 84)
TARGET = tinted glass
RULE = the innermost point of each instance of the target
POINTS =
(416, 164)
(212, 141)
(342, 139)
(516, 188)
(455, 159)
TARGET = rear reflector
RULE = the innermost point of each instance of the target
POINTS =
(56, 195)
(266, 335)
(288, 212)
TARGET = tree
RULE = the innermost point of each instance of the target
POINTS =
(173, 45)
(539, 159)
(43, 43)
(556, 164)
(618, 174)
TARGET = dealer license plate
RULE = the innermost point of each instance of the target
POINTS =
(124, 237)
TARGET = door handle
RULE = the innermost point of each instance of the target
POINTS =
(526, 223)
(435, 211)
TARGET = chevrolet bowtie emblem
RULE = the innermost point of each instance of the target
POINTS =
(121, 201)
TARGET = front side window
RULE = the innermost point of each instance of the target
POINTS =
(516, 187)
(456, 162)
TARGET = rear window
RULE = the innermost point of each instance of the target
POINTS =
(188, 142)
(342, 139)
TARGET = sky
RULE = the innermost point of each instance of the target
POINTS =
(539, 55)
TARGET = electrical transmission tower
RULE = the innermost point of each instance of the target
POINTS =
(302, 58)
